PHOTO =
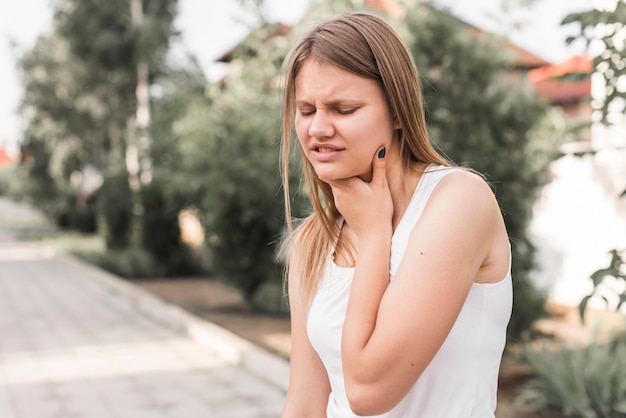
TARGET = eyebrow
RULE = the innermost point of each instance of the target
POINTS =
(333, 103)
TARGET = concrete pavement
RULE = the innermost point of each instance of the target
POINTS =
(78, 342)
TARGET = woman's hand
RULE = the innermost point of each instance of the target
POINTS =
(365, 207)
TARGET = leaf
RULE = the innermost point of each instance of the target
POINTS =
(598, 276)
(571, 18)
(582, 306)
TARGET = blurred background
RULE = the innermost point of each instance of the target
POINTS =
(146, 133)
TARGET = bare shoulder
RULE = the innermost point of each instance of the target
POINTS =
(465, 190)
(463, 206)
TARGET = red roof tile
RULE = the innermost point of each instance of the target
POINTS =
(390, 6)
(547, 83)
(4, 157)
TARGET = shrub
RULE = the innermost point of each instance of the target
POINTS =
(130, 263)
(5, 178)
(161, 234)
(116, 206)
(584, 382)
(602, 279)
(245, 236)
(78, 215)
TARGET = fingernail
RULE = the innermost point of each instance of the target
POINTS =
(381, 153)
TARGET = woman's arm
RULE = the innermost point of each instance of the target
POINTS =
(393, 330)
(307, 396)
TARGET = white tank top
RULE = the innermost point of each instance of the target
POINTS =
(461, 380)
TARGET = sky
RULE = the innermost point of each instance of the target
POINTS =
(210, 27)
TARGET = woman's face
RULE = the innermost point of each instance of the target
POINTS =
(341, 120)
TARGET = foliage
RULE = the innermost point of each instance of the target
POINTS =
(79, 214)
(483, 120)
(79, 84)
(585, 382)
(231, 142)
(161, 234)
(130, 262)
(5, 177)
(605, 28)
(116, 206)
(614, 273)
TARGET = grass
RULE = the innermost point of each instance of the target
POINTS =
(75, 243)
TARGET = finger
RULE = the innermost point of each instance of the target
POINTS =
(379, 175)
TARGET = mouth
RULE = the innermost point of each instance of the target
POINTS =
(325, 148)
(325, 152)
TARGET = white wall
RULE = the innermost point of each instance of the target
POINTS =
(577, 221)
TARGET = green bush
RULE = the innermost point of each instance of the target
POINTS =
(614, 272)
(244, 245)
(5, 177)
(229, 148)
(160, 229)
(583, 382)
(116, 203)
(130, 263)
(78, 215)
(161, 234)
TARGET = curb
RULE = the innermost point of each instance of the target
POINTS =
(233, 349)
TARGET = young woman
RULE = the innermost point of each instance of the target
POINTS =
(399, 281)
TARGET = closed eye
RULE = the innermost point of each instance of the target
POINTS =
(341, 111)
(347, 111)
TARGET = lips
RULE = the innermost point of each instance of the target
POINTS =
(325, 152)
(325, 148)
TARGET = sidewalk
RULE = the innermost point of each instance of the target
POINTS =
(78, 342)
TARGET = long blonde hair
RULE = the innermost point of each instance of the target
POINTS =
(367, 46)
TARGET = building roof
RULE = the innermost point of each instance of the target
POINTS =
(549, 83)
(4, 157)
(522, 58)
(544, 76)
(276, 29)
(390, 6)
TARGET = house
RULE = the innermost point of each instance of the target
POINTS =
(5, 158)
(571, 94)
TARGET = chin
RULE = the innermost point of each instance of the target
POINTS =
(329, 177)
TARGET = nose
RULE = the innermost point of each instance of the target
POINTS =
(321, 126)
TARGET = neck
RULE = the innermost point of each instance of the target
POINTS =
(402, 183)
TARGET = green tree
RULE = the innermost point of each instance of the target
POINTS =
(80, 84)
(484, 118)
(55, 140)
(178, 183)
(604, 31)
(232, 137)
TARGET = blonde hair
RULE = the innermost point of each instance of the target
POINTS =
(367, 46)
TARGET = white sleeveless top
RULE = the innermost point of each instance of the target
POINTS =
(461, 380)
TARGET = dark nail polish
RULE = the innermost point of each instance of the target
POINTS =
(381, 153)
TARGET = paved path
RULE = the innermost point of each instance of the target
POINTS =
(77, 342)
